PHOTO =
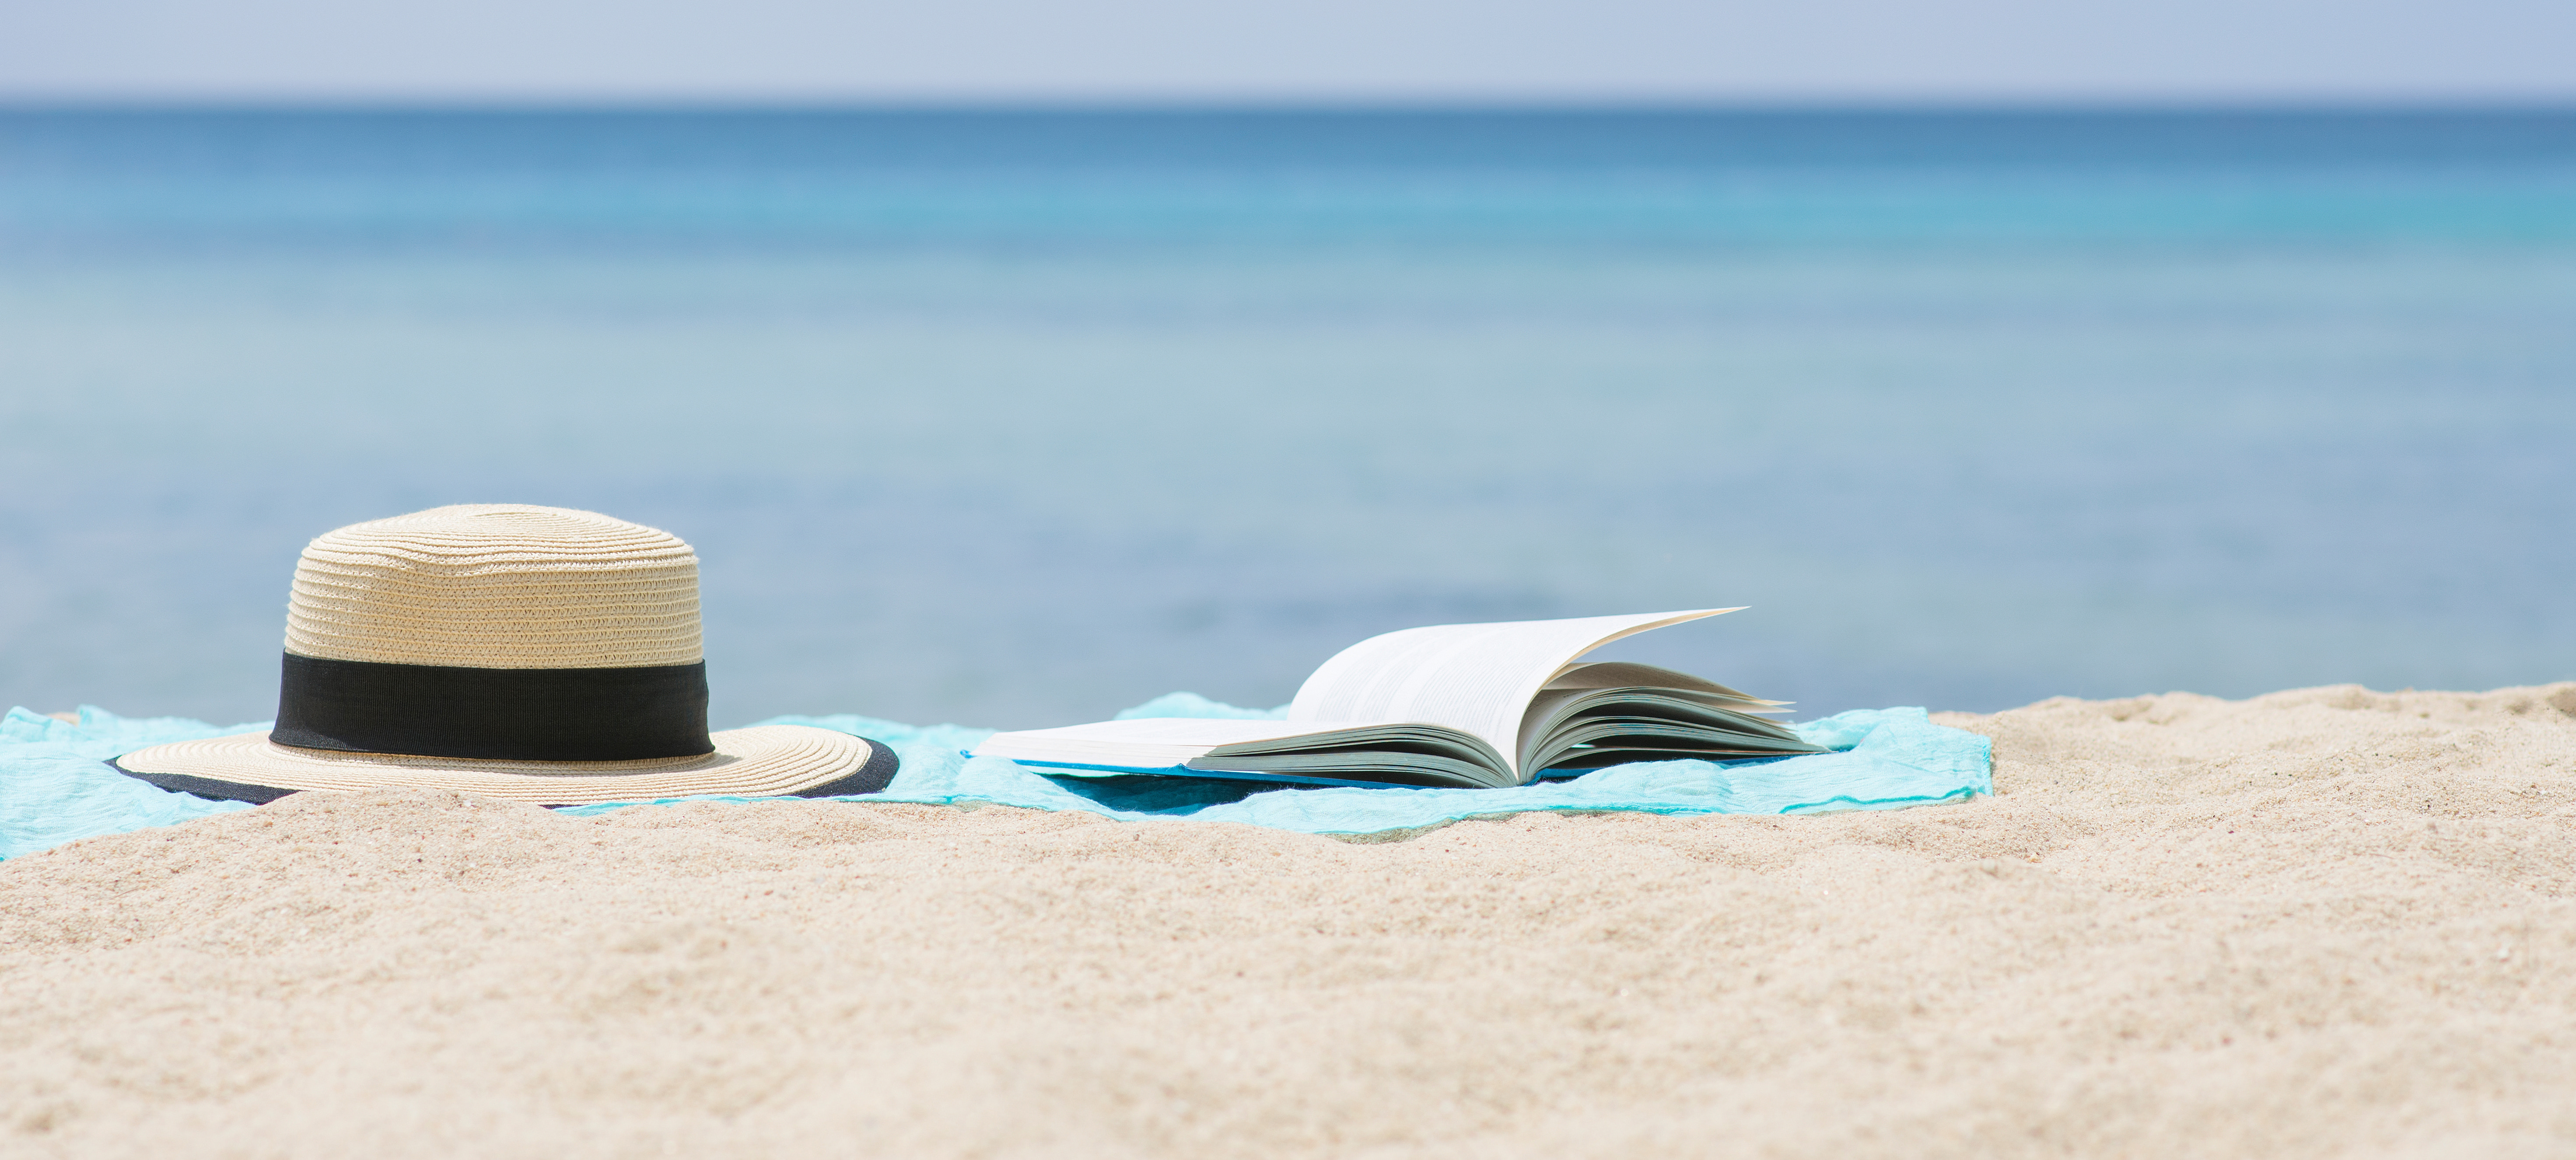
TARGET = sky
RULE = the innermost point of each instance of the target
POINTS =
(1151, 51)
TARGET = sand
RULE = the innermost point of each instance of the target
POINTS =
(2327, 922)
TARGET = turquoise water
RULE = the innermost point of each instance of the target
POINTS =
(1017, 418)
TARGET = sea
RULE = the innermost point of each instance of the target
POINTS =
(1016, 417)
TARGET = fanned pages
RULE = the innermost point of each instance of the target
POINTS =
(1459, 705)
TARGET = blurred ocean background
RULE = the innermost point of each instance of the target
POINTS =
(1015, 418)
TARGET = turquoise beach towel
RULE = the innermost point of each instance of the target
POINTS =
(53, 787)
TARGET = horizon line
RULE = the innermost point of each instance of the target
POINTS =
(1993, 104)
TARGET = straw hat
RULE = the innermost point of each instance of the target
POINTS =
(530, 653)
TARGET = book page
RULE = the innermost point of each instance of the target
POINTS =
(1475, 678)
(1151, 742)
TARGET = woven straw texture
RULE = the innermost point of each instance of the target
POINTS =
(497, 586)
(765, 760)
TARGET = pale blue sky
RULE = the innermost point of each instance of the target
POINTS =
(1329, 50)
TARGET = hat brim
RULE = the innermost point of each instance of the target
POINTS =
(762, 761)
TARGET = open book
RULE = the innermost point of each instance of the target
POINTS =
(1458, 705)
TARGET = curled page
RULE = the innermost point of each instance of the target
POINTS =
(1475, 678)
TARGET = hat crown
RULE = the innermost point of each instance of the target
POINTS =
(497, 586)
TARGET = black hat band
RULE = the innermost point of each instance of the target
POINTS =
(497, 714)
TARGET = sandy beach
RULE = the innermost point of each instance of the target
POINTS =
(2326, 922)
